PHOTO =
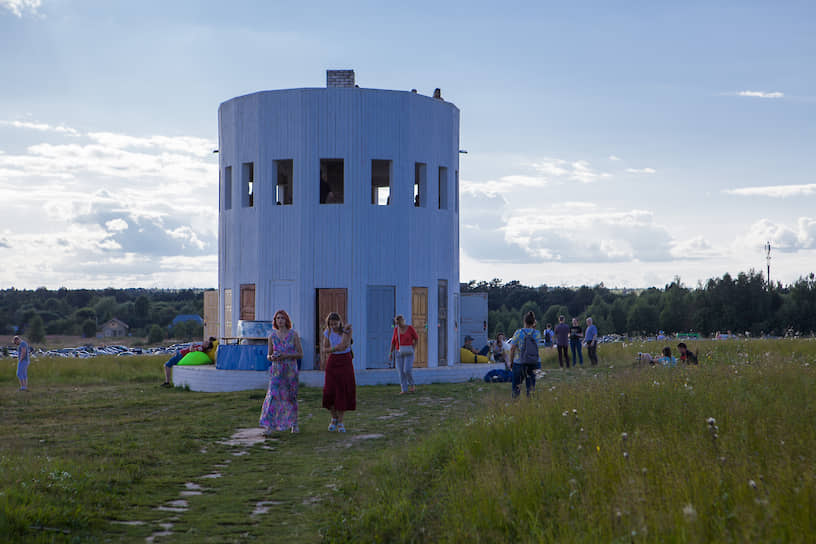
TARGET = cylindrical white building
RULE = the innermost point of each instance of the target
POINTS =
(341, 199)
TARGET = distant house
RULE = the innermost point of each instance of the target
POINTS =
(186, 317)
(114, 327)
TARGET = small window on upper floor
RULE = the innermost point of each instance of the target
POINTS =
(248, 184)
(420, 185)
(228, 188)
(443, 188)
(283, 188)
(380, 182)
(331, 181)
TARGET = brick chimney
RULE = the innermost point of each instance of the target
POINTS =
(339, 78)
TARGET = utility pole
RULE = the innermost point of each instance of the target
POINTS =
(768, 261)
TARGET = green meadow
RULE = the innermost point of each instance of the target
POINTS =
(722, 452)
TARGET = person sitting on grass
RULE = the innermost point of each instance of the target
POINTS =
(667, 359)
(207, 347)
(498, 350)
(686, 355)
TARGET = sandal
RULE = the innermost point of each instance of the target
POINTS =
(341, 428)
(333, 425)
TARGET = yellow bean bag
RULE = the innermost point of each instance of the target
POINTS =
(467, 356)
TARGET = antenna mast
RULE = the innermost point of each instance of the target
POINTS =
(768, 261)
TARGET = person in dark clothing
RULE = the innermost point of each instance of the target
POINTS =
(686, 356)
(575, 337)
(562, 332)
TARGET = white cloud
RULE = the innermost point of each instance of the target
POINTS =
(579, 170)
(503, 184)
(111, 208)
(116, 225)
(17, 7)
(43, 127)
(697, 247)
(613, 158)
(782, 237)
(761, 94)
(776, 191)
(200, 147)
(641, 170)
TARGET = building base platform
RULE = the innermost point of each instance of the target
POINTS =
(207, 378)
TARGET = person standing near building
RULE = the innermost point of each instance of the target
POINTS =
(591, 339)
(23, 360)
(280, 409)
(403, 344)
(339, 388)
(562, 331)
(526, 341)
(575, 337)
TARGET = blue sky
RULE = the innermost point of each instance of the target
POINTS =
(616, 142)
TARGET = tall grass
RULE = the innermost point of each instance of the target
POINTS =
(45, 371)
(719, 452)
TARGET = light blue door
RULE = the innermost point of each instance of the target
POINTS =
(380, 308)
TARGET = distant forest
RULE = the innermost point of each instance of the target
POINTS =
(80, 312)
(739, 304)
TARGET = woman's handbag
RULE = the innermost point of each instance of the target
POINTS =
(406, 350)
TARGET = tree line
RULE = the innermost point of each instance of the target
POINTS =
(742, 304)
(80, 312)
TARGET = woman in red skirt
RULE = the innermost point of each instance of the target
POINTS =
(339, 389)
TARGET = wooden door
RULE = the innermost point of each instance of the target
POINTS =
(328, 301)
(228, 313)
(248, 302)
(419, 320)
(210, 314)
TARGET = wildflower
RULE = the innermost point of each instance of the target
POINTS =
(598, 448)
(624, 436)
(575, 411)
(711, 421)
(752, 484)
(626, 455)
(565, 414)
(690, 512)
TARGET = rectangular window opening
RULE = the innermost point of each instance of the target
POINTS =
(331, 181)
(420, 186)
(228, 188)
(380, 182)
(248, 184)
(283, 188)
(456, 191)
(443, 188)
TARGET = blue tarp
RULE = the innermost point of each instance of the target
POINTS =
(242, 357)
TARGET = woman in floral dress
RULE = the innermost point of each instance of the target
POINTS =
(280, 410)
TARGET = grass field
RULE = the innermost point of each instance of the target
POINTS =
(97, 452)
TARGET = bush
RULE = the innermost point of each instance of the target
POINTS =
(36, 329)
(89, 328)
(155, 335)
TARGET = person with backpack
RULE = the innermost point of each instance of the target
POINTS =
(525, 341)
(549, 335)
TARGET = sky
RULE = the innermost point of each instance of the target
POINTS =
(624, 143)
